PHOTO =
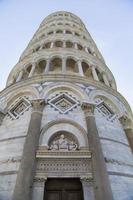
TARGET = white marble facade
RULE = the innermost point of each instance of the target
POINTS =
(57, 68)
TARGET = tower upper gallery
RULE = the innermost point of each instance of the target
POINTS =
(62, 45)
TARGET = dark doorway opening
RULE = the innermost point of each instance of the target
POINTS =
(63, 189)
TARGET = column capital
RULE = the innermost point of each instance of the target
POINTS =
(88, 108)
(126, 122)
(87, 178)
(37, 103)
(40, 179)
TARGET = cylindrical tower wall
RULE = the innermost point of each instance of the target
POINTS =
(63, 67)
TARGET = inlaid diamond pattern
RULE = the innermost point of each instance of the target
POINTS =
(63, 102)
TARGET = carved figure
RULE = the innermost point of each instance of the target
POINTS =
(63, 144)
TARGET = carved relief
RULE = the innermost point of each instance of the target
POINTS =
(62, 166)
(63, 143)
(63, 163)
(63, 103)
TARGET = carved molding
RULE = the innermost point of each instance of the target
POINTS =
(64, 167)
(42, 152)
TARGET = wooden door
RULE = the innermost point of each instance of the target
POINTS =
(63, 189)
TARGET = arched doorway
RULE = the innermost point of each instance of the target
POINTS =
(63, 189)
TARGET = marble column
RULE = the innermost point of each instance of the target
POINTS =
(80, 69)
(24, 182)
(64, 44)
(32, 70)
(128, 128)
(39, 188)
(75, 46)
(63, 65)
(20, 75)
(105, 79)
(52, 45)
(94, 73)
(102, 188)
(87, 185)
(47, 68)
(86, 49)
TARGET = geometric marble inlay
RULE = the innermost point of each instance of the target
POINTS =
(105, 110)
(63, 103)
(19, 108)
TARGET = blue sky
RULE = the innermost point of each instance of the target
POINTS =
(110, 22)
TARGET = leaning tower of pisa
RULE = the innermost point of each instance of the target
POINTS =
(65, 131)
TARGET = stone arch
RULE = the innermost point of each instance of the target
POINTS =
(25, 74)
(108, 98)
(68, 32)
(71, 65)
(77, 34)
(69, 87)
(28, 68)
(63, 125)
(80, 47)
(50, 33)
(59, 31)
(56, 64)
(86, 69)
(69, 44)
(40, 67)
(36, 48)
(58, 43)
(63, 140)
(25, 91)
(47, 45)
